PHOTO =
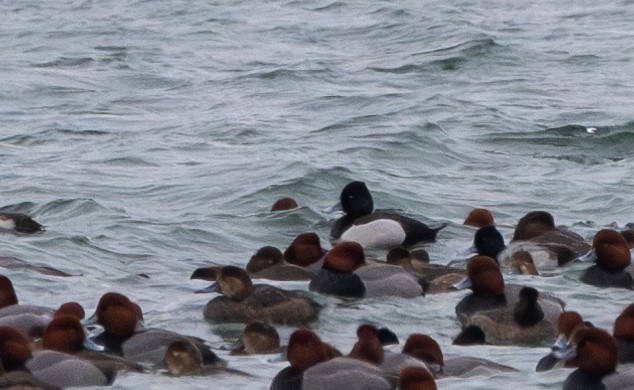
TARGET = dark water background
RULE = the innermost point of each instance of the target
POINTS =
(153, 136)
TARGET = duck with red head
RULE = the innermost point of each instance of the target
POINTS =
(549, 246)
(416, 378)
(426, 349)
(345, 273)
(15, 352)
(506, 314)
(65, 362)
(300, 261)
(124, 333)
(594, 353)
(567, 324)
(624, 334)
(243, 302)
(376, 229)
(305, 349)
(612, 256)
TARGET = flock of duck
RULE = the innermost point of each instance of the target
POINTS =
(51, 348)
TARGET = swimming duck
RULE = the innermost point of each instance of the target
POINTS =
(612, 255)
(345, 273)
(300, 261)
(376, 229)
(242, 301)
(19, 222)
(124, 333)
(548, 245)
(15, 351)
(65, 362)
(595, 354)
(506, 314)
(567, 324)
(305, 349)
(426, 349)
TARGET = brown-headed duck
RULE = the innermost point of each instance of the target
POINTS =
(300, 261)
(506, 314)
(426, 349)
(124, 333)
(612, 256)
(549, 245)
(283, 204)
(243, 301)
(19, 222)
(594, 353)
(305, 349)
(567, 324)
(345, 273)
(15, 352)
(479, 217)
(65, 362)
(376, 229)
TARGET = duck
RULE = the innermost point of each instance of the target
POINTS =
(15, 352)
(506, 314)
(612, 256)
(284, 204)
(242, 301)
(300, 261)
(125, 334)
(594, 353)
(624, 334)
(549, 245)
(19, 222)
(376, 229)
(345, 273)
(488, 241)
(567, 324)
(426, 349)
(305, 350)
(65, 362)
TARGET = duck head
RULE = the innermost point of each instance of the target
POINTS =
(304, 250)
(15, 350)
(305, 350)
(118, 315)
(609, 250)
(426, 349)
(488, 241)
(368, 347)
(7, 293)
(356, 199)
(265, 257)
(416, 378)
(344, 257)
(592, 350)
(479, 217)
(483, 277)
(533, 224)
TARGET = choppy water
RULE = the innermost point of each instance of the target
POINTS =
(153, 136)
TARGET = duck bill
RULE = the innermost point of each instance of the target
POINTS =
(561, 343)
(566, 353)
(334, 208)
(589, 257)
(214, 287)
(465, 283)
(91, 345)
(469, 252)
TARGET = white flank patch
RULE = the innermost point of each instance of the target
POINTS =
(7, 223)
(379, 234)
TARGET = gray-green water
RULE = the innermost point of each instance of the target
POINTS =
(153, 136)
